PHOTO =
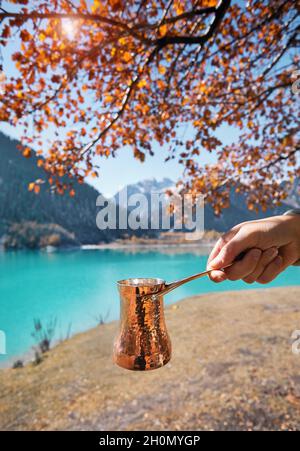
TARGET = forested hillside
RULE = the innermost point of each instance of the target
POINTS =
(17, 204)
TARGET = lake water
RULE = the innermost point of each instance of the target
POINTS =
(77, 287)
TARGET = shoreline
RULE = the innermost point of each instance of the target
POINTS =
(201, 248)
(115, 245)
(27, 358)
(165, 240)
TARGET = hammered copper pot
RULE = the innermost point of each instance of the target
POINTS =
(143, 342)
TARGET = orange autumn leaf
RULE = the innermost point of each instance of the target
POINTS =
(36, 189)
(163, 30)
(25, 35)
(27, 152)
(162, 69)
(109, 98)
(127, 57)
(142, 83)
(42, 36)
(179, 7)
(6, 32)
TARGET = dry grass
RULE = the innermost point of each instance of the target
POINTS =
(232, 368)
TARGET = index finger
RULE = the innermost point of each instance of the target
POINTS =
(240, 242)
(216, 275)
(222, 241)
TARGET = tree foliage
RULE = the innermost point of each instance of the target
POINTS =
(113, 73)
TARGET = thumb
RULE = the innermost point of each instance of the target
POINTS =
(239, 243)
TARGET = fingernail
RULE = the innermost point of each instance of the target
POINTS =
(216, 263)
(218, 260)
(273, 252)
(217, 277)
(256, 254)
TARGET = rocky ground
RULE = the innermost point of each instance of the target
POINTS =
(232, 368)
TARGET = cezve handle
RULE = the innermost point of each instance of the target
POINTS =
(171, 286)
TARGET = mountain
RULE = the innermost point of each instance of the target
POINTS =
(136, 199)
(236, 213)
(18, 205)
(149, 185)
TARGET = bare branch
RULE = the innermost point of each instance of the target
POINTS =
(277, 160)
(282, 52)
(79, 16)
(172, 20)
(132, 30)
(220, 11)
(125, 101)
(252, 30)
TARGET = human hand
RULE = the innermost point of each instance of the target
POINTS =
(271, 245)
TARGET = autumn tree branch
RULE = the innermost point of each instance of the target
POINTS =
(132, 30)
(23, 17)
(172, 20)
(276, 160)
(124, 103)
(220, 11)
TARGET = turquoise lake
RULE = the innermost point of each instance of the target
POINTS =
(76, 287)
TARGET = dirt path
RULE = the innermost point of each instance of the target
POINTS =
(232, 368)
